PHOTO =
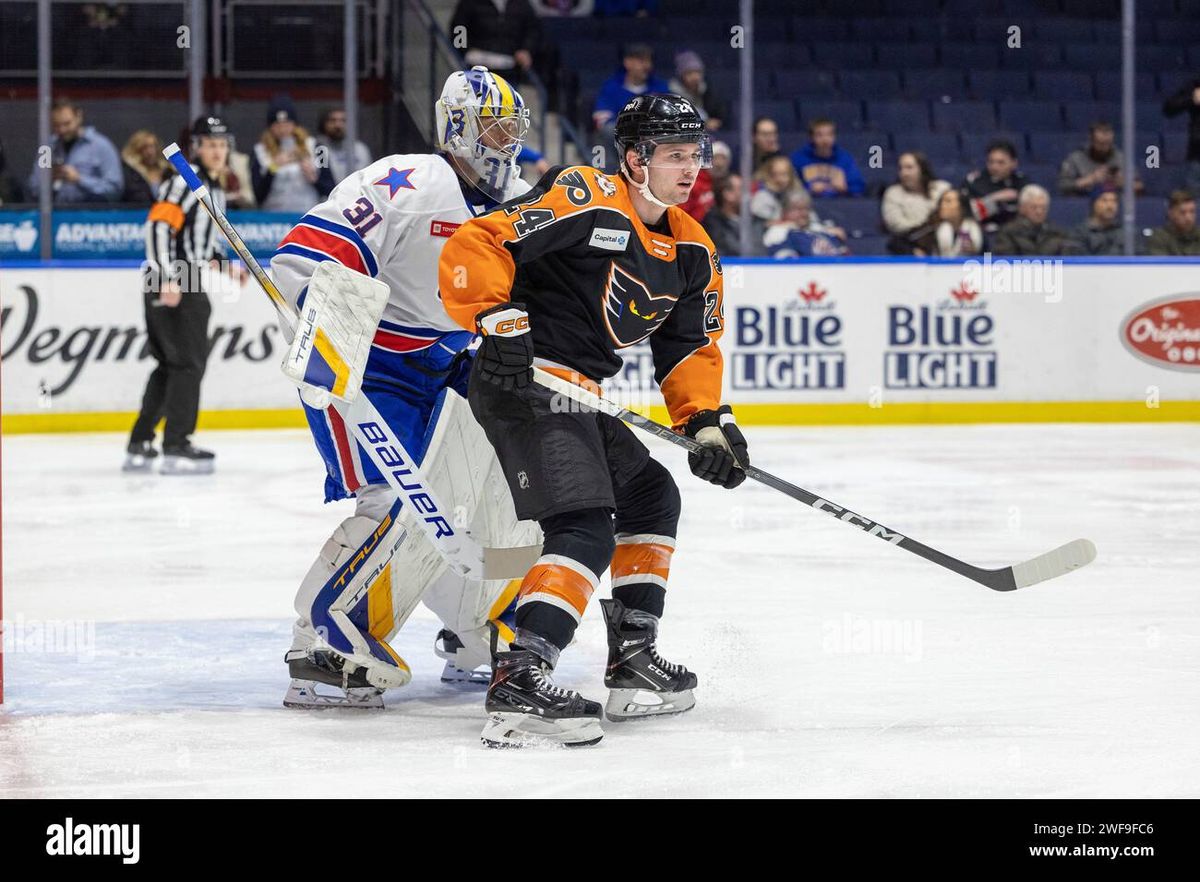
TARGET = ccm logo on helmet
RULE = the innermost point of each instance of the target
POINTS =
(504, 323)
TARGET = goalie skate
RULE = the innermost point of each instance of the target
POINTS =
(446, 646)
(324, 680)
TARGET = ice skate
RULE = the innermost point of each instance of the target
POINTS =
(525, 709)
(184, 459)
(139, 456)
(324, 679)
(641, 683)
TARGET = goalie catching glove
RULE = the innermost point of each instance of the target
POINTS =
(726, 453)
(505, 356)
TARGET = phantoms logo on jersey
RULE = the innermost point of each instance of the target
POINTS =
(795, 345)
(946, 346)
(631, 311)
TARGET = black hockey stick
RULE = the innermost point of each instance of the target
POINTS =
(1050, 565)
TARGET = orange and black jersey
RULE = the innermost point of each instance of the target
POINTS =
(595, 279)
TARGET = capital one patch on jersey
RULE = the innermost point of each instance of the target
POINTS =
(611, 240)
(631, 312)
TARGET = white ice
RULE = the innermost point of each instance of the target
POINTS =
(830, 663)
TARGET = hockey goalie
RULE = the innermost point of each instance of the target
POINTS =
(379, 235)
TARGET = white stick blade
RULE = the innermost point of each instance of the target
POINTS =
(1052, 564)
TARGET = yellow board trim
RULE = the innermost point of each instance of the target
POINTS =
(794, 414)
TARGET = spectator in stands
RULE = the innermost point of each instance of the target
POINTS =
(635, 77)
(1178, 237)
(908, 203)
(793, 236)
(343, 158)
(722, 221)
(950, 230)
(10, 188)
(1030, 234)
(285, 173)
(1098, 164)
(503, 37)
(1187, 99)
(690, 83)
(777, 180)
(85, 166)
(766, 141)
(1101, 233)
(238, 180)
(701, 198)
(826, 169)
(143, 167)
(992, 193)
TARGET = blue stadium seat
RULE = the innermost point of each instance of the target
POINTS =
(901, 56)
(1031, 115)
(1080, 114)
(1091, 8)
(993, 29)
(1044, 173)
(999, 84)
(1092, 56)
(1108, 85)
(1165, 59)
(964, 58)
(898, 116)
(592, 56)
(940, 147)
(1174, 145)
(935, 83)
(1177, 31)
(869, 84)
(1067, 211)
(809, 81)
(782, 111)
(842, 55)
(880, 29)
(1062, 85)
(854, 214)
(1064, 30)
(1035, 56)
(959, 116)
(846, 113)
(859, 145)
(874, 245)
(814, 29)
(781, 56)
(1054, 146)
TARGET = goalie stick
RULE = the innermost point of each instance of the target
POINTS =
(1050, 565)
(462, 553)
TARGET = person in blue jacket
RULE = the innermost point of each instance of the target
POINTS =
(635, 77)
(824, 168)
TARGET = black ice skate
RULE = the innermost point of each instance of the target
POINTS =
(446, 646)
(641, 683)
(320, 679)
(139, 456)
(184, 459)
(526, 709)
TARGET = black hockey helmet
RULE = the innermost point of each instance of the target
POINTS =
(209, 126)
(660, 118)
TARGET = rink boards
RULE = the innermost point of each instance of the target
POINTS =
(868, 341)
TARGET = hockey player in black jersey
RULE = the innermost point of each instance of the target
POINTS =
(581, 266)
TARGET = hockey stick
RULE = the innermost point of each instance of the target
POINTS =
(371, 430)
(1050, 565)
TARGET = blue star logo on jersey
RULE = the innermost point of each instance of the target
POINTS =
(396, 179)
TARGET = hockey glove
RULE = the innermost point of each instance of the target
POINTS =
(505, 356)
(726, 452)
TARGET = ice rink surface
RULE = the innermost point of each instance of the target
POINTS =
(830, 664)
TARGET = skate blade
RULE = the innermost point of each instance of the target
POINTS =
(456, 675)
(137, 464)
(624, 705)
(178, 465)
(310, 695)
(511, 729)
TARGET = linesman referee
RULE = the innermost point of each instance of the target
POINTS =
(181, 240)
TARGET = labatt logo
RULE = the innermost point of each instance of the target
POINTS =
(1166, 332)
(796, 345)
(946, 346)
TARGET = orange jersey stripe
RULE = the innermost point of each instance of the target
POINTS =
(168, 213)
(558, 581)
(641, 558)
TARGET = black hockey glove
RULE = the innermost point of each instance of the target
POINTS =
(505, 356)
(726, 452)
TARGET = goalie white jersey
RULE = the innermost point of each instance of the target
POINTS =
(388, 221)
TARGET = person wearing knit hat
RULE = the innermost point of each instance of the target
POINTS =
(690, 83)
(1101, 231)
(286, 173)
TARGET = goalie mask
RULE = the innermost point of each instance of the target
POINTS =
(482, 120)
(653, 119)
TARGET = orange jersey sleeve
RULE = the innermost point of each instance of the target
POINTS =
(479, 262)
(687, 361)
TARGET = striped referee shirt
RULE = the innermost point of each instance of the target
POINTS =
(179, 229)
